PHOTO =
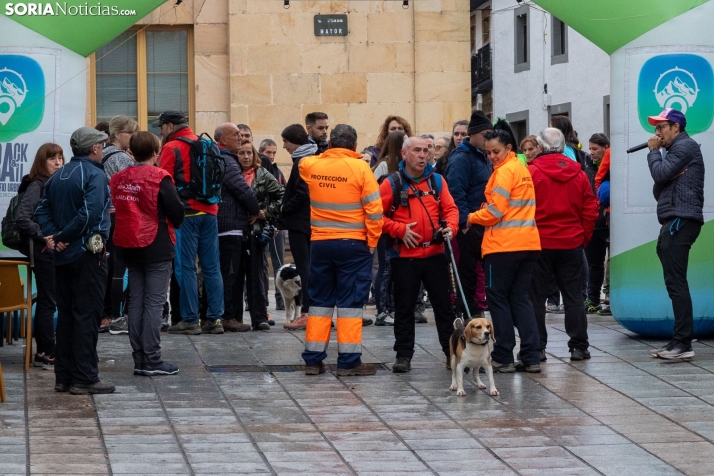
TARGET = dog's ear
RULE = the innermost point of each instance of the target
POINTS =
(490, 331)
(468, 332)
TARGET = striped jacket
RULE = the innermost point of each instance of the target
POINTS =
(509, 211)
(344, 197)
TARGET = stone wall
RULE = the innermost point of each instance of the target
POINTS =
(260, 64)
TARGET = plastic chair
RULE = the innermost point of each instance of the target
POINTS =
(16, 296)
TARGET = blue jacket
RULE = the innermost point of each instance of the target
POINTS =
(75, 205)
(467, 174)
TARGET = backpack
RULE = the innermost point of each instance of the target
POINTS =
(106, 157)
(208, 167)
(12, 237)
(398, 186)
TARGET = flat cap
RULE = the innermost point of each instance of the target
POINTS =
(85, 137)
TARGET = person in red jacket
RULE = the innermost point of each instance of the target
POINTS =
(415, 223)
(566, 210)
(198, 234)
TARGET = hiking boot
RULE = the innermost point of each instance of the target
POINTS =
(367, 322)
(528, 368)
(592, 309)
(213, 327)
(419, 316)
(604, 311)
(165, 321)
(315, 369)
(385, 319)
(138, 368)
(232, 325)
(120, 325)
(263, 326)
(502, 368)
(104, 325)
(184, 327)
(676, 350)
(163, 368)
(579, 354)
(298, 324)
(39, 360)
(359, 371)
(402, 365)
(91, 388)
(49, 363)
(62, 387)
(543, 357)
(656, 351)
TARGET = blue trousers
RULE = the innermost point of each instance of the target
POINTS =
(340, 277)
(199, 234)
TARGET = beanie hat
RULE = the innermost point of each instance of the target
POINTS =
(296, 134)
(479, 122)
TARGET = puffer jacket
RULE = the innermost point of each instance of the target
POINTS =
(238, 201)
(467, 172)
(269, 194)
(295, 212)
(679, 180)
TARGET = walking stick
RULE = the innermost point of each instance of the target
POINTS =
(456, 272)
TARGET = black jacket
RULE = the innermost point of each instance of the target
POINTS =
(32, 190)
(238, 200)
(161, 249)
(295, 213)
(273, 168)
(679, 180)
(467, 172)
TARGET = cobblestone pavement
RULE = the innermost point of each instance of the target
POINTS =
(239, 407)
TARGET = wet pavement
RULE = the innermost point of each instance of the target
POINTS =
(239, 406)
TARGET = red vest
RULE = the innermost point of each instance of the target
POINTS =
(135, 196)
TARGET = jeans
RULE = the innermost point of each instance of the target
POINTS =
(300, 248)
(408, 276)
(384, 284)
(46, 303)
(80, 299)
(252, 258)
(147, 295)
(676, 238)
(199, 234)
(276, 248)
(231, 249)
(567, 267)
(508, 279)
(595, 253)
(341, 275)
(469, 256)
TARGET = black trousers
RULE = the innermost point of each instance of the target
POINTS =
(46, 303)
(508, 278)
(567, 267)
(251, 266)
(409, 274)
(80, 297)
(230, 249)
(300, 249)
(469, 255)
(595, 252)
(676, 238)
(174, 296)
(115, 296)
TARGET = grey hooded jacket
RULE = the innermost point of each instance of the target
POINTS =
(679, 180)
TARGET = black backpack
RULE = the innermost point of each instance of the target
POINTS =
(11, 235)
(207, 170)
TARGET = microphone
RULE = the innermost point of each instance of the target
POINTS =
(637, 148)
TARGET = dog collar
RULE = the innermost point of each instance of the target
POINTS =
(467, 342)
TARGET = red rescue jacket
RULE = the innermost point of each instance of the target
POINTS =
(566, 208)
(135, 195)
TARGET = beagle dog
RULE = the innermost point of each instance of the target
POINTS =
(471, 347)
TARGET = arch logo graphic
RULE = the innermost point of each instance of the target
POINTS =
(22, 96)
(679, 81)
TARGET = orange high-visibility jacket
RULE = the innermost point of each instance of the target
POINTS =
(509, 211)
(344, 197)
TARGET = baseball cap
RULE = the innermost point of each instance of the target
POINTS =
(86, 137)
(170, 117)
(672, 115)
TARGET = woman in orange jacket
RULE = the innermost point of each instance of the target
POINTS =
(510, 249)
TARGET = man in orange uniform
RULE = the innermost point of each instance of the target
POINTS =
(346, 222)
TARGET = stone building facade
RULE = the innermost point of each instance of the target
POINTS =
(259, 63)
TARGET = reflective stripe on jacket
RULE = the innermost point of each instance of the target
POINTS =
(509, 211)
(344, 197)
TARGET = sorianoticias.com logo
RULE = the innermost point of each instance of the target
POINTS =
(65, 9)
(22, 96)
(679, 81)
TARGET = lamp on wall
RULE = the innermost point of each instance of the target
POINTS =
(405, 4)
(286, 4)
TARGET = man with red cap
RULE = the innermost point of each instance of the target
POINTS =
(677, 167)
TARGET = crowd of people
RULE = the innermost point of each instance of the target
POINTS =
(193, 220)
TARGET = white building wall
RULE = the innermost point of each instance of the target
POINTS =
(583, 81)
